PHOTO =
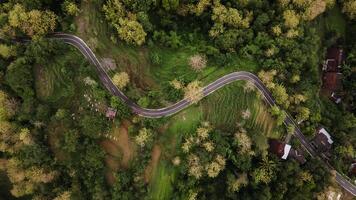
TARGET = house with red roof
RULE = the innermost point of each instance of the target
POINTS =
(283, 151)
(332, 76)
(353, 169)
(110, 113)
(322, 141)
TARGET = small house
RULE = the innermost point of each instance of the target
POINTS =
(280, 149)
(334, 59)
(322, 141)
(110, 113)
(353, 169)
(332, 81)
(298, 156)
(332, 76)
(283, 151)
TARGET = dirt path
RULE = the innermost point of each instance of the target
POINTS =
(3, 163)
(120, 151)
(151, 168)
(124, 143)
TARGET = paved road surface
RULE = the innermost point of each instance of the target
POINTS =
(180, 105)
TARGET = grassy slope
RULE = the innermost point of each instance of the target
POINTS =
(52, 82)
(224, 109)
(161, 186)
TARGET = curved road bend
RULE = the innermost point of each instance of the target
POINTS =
(180, 105)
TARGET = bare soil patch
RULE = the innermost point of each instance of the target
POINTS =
(3, 163)
(120, 151)
(124, 143)
(110, 147)
(151, 168)
(54, 137)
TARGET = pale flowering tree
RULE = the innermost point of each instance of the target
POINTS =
(25, 136)
(244, 142)
(213, 169)
(188, 143)
(89, 81)
(143, 136)
(221, 160)
(209, 146)
(246, 114)
(249, 86)
(267, 77)
(195, 168)
(64, 196)
(196, 171)
(71, 8)
(25, 181)
(200, 145)
(276, 30)
(193, 92)
(198, 62)
(235, 183)
(315, 9)
(176, 84)
(203, 132)
(192, 195)
(39, 175)
(176, 161)
(121, 80)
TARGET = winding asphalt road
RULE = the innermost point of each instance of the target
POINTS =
(180, 105)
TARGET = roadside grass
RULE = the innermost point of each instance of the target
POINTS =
(161, 186)
(174, 64)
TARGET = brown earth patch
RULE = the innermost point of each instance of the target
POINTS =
(54, 137)
(110, 147)
(120, 151)
(3, 163)
(112, 163)
(110, 177)
(124, 143)
(151, 168)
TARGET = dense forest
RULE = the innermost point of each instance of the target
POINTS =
(57, 143)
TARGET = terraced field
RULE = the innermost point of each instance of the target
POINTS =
(233, 105)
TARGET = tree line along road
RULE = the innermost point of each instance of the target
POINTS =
(184, 103)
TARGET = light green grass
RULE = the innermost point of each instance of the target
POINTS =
(174, 64)
(161, 187)
(224, 109)
(183, 123)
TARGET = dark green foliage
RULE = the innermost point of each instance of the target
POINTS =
(93, 125)
(19, 78)
(70, 141)
(172, 39)
(34, 155)
(122, 110)
(171, 93)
